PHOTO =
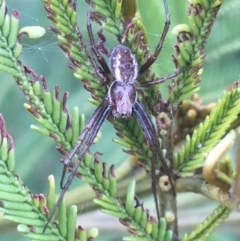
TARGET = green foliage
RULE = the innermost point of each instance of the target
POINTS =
(208, 133)
(30, 211)
(20, 206)
(204, 229)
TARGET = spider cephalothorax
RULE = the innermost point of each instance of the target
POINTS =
(123, 64)
(122, 101)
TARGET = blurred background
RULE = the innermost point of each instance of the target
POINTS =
(36, 156)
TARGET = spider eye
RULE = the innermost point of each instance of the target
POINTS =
(123, 64)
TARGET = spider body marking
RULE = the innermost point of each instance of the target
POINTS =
(123, 64)
(122, 93)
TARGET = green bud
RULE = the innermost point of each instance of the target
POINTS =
(33, 32)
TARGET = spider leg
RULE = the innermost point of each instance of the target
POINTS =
(92, 60)
(93, 120)
(129, 24)
(89, 133)
(150, 134)
(161, 80)
(100, 44)
(158, 49)
(99, 57)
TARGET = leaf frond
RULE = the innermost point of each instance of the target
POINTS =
(204, 229)
(209, 133)
(192, 38)
(21, 206)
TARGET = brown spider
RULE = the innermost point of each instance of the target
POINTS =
(122, 101)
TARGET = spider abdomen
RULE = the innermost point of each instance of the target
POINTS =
(122, 97)
(123, 64)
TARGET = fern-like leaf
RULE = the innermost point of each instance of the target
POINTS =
(191, 42)
(209, 133)
(21, 206)
(203, 230)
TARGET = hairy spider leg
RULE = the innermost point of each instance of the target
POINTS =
(151, 136)
(129, 24)
(89, 125)
(80, 38)
(105, 67)
(92, 128)
(158, 49)
(95, 121)
(161, 80)
(93, 61)
(99, 57)
(103, 80)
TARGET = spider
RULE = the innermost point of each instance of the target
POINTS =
(121, 100)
